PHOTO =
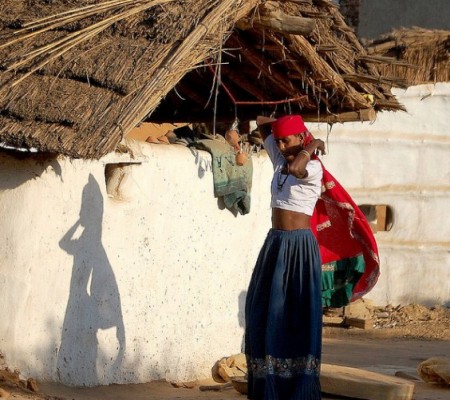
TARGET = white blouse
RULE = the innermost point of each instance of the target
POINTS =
(289, 192)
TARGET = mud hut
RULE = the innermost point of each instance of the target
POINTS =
(77, 76)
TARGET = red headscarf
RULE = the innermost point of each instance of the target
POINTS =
(288, 125)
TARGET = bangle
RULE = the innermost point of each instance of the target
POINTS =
(306, 153)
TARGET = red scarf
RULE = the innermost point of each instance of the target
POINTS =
(343, 231)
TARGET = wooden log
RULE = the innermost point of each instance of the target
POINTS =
(276, 20)
(360, 323)
(363, 384)
(286, 24)
(366, 114)
(352, 382)
(325, 48)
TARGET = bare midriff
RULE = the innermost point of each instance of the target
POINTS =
(287, 220)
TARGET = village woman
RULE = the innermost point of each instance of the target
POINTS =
(283, 310)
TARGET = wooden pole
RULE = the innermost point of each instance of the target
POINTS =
(366, 114)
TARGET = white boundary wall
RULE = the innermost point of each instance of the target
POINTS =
(153, 287)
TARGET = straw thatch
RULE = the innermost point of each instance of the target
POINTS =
(418, 55)
(77, 75)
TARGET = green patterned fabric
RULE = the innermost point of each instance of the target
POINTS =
(231, 181)
(338, 280)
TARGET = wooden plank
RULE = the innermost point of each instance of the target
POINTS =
(381, 210)
(360, 323)
(363, 384)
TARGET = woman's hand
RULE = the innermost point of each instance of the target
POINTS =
(297, 167)
(316, 144)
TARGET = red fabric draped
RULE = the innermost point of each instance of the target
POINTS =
(343, 231)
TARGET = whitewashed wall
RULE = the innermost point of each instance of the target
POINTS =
(403, 160)
(170, 260)
(152, 285)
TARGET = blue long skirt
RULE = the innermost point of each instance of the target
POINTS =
(283, 316)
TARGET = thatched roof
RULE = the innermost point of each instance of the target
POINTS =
(78, 75)
(418, 55)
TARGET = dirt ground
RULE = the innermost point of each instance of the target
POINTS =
(395, 341)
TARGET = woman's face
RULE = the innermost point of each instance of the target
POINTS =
(290, 146)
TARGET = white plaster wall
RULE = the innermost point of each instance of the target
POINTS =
(403, 160)
(172, 263)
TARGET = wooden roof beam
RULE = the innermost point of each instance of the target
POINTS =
(271, 17)
(262, 65)
(245, 84)
(366, 114)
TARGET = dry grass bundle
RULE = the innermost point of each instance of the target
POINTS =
(36, 59)
(119, 56)
(425, 53)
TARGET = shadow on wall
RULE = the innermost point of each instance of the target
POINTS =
(94, 306)
(241, 315)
